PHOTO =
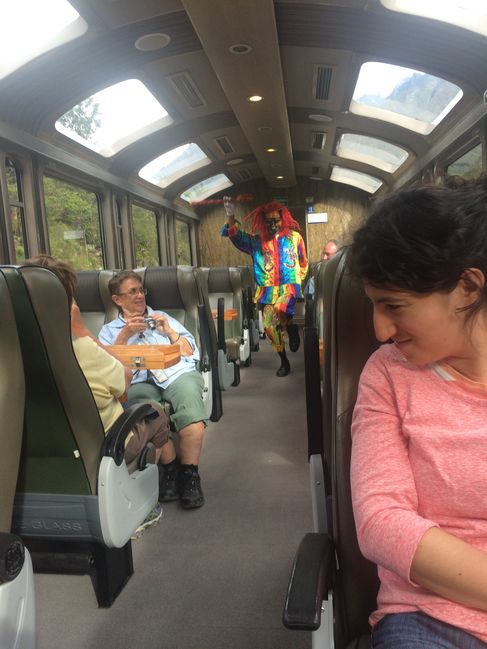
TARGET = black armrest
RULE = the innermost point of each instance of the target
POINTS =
(114, 444)
(12, 556)
(204, 338)
(221, 324)
(311, 576)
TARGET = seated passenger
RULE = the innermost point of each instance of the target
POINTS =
(419, 432)
(330, 249)
(109, 380)
(181, 385)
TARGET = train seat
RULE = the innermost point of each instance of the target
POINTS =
(74, 486)
(333, 588)
(226, 283)
(228, 370)
(174, 289)
(94, 299)
(248, 287)
(17, 598)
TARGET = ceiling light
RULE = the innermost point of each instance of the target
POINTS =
(270, 150)
(279, 177)
(240, 48)
(152, 42)
(255, 98)
(320, 118)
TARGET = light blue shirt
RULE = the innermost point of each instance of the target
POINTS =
(109, 333)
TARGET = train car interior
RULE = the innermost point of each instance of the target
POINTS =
(123, 125)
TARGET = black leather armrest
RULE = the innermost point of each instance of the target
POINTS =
(205, 350)
(114, 444)
(308, 585)
(221, 324)
(12, 555)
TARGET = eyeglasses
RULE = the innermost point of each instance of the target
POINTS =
(135, 291)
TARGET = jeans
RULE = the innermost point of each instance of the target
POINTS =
(419, 631)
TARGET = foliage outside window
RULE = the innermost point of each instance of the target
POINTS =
(468, 165)
(16, 209)
(73, 223)
(183, 243)
(145, 237)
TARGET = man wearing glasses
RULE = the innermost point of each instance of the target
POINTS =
(181, 384)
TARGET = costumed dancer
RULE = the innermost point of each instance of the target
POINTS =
(280, 265)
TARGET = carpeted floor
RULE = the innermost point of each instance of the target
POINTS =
(213, 578)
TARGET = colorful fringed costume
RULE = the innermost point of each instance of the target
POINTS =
(280, 265)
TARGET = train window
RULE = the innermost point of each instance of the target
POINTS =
(16, 209)
(183, 243)
(173, 164)
(356, 178)
(119, 232)
(469, 165)
(146, 238)
(372, 151)
(30, 28)
(403, 96)
(115, 117)
(206, 188)
(73, 223)
(469, 14)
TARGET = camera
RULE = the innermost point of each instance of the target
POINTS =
(151, 323)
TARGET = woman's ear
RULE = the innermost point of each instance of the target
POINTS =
(471, 285)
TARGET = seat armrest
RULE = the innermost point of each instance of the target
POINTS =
(311, 576)
(221, 324)
(205, 351)
(12, 556)
(114, 444)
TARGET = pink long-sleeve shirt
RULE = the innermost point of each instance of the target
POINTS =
(419, 459)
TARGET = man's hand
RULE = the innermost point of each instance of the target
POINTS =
(229, 206)
(134, 324)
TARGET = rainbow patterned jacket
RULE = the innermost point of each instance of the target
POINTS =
(280, 265)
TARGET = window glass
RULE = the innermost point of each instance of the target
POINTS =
(206, 188)
(29, 28)
(145, 237)
(469, 14)
(403, 96)
(16, 210)
(356, 178)
(372, 151)
(183, 243)
(173, 164)
(468, 165)
(73, 223)
(113, 118)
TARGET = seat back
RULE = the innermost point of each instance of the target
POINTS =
(94, 299)
(349, 341)
(17, 599)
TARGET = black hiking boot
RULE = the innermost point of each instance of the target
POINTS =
(190, 491)
(169, 482)
(294, 339)
(285, 366)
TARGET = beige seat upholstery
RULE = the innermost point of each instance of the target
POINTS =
(17, 605)
(94, 299)
(333, 588)
(74, 489)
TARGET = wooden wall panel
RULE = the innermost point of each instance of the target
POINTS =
(345, 207)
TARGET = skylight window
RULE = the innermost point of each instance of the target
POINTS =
(356, 178)
(206, 188)
(372, 151)
(403, 96)
(115, 117)
(173, 164)
(469, 14)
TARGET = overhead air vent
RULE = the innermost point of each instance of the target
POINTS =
(318, 140)
(224, 145)
(243, 174)
(315, 171)
(322, 76)
(187, 88)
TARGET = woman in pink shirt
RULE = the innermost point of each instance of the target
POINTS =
(419, 455)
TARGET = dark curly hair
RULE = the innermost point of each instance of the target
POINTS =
(423, 239)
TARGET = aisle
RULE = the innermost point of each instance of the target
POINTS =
(213, 578)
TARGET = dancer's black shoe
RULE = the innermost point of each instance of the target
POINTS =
(285, 366)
